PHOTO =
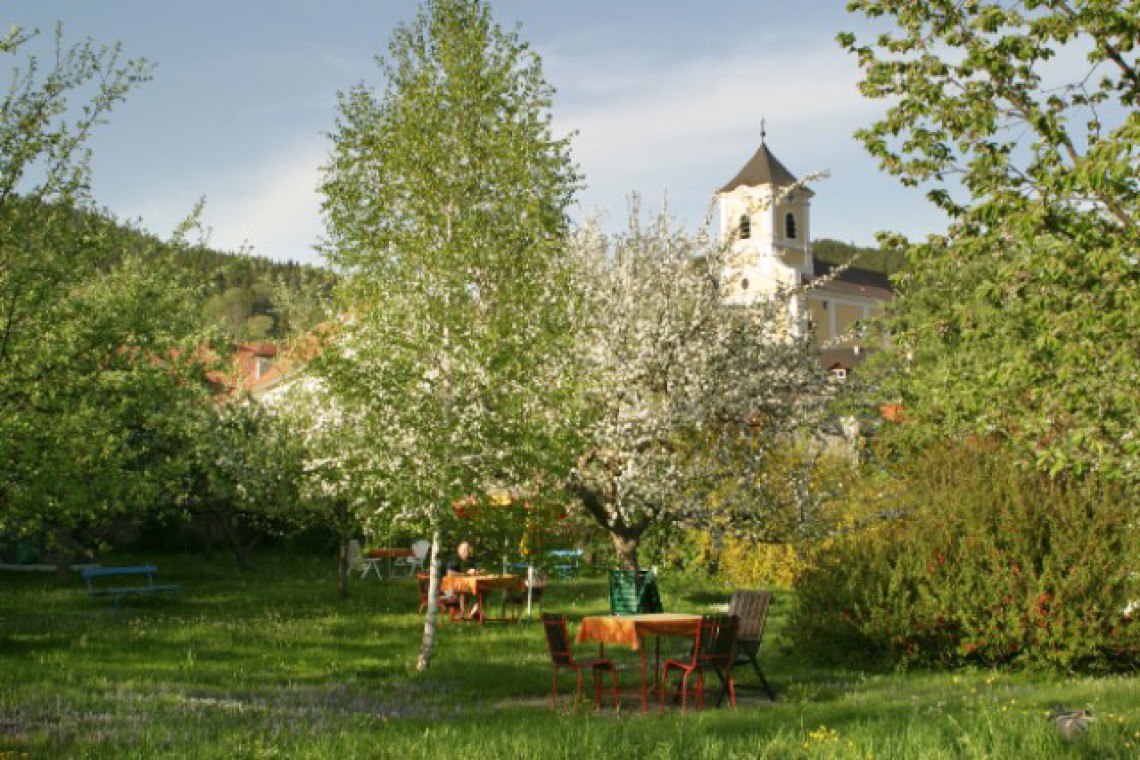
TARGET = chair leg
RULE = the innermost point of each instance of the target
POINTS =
(727, 686)
(763, 680)
(663, 688)
(554, 691)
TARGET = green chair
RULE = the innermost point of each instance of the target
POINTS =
(633, 592)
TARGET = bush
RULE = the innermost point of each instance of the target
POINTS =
(978, 562)
(746, 564)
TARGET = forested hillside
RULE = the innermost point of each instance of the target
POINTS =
(255, 298)
(873, 259)
(250, 298)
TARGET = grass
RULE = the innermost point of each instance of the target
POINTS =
(273, 665)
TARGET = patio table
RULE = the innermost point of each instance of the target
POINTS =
(631, 630)
(373, 558)
(478, 586)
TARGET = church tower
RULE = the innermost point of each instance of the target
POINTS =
(765, 220)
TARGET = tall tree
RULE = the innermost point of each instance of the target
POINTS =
(445, 206)
(86, 321)
(1018, 324)
(244, 474)
(335, 478)
(681, 394)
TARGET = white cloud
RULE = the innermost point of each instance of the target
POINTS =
(274, 206)
(679, 127)
(270, 206)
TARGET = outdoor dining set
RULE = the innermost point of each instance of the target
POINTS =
(711, 645)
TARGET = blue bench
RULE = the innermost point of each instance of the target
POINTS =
(565, 562)
(118, 592)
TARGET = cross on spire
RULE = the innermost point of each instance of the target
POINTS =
(763, 129)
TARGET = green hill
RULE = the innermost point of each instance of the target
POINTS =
(871, 259)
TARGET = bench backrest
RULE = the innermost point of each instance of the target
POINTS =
(570, 554)
(100, 572)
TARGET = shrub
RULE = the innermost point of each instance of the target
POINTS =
(977, 561)
(745, 563)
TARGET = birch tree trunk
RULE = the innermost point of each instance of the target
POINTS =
(428, 644)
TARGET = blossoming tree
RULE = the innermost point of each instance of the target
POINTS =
(680, 392)
(444, 204)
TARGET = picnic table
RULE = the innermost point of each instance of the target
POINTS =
(95, 577)
(478, 586)
(373, 558)
(631, 631)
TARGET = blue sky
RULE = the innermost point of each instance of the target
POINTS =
(666, 98)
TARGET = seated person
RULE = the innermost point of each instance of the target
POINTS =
(461, 562)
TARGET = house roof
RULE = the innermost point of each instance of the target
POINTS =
(854, 281)
(841, 358)
(246, 365)
(292, 359)
(762, 169)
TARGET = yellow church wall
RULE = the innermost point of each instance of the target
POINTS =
(845, 318)
(820, 327)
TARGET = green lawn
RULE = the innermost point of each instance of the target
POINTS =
(272, 664)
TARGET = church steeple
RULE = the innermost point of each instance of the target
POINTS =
(765, 219)
(762, 169)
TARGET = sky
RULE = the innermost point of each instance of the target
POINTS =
(664, 98)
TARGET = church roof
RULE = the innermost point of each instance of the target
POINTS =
(762, 169)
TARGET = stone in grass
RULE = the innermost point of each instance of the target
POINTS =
(1071, 724)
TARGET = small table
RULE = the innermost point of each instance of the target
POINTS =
(478, 586)
(373, 558)
(631, 630)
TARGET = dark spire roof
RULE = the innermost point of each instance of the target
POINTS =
(762, 169)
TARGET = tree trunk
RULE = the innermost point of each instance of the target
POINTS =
(62, 554)
(428, 644)
(241, 551)
(626, 548)
(342, 568)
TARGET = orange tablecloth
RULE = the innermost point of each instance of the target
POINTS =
(630, 630)
(478, 584)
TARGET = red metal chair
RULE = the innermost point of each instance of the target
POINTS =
(450, 604)
(714, 649)
(558, 640)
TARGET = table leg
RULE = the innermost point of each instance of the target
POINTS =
(657, 685)
(644, 681)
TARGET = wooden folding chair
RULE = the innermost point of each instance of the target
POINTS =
(751, 607)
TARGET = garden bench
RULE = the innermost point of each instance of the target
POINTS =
(119, 592)
(565, 562)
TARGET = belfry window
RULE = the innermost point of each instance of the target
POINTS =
(745, 227)
(790, 226)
